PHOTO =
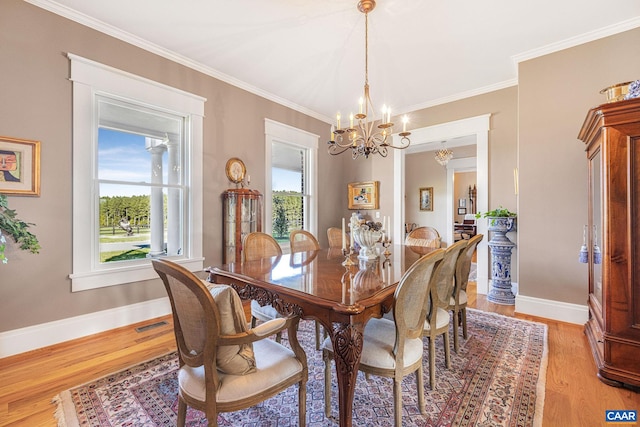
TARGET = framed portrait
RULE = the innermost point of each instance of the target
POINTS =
(363, 195)
(426, 199)
(19, 166)
(462, 211)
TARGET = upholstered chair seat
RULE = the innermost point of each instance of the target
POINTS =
(223, 365)
(393, 348)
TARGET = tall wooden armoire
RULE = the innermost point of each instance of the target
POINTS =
(611, 133)
(242, 214)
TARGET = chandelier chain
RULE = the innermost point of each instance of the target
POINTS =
(362, 138)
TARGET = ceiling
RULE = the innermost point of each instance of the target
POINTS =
(309, 55)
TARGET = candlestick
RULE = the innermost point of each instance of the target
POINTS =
(405, 119)
(338, 119)
(361, 101)
(351, 121)
(344, 242)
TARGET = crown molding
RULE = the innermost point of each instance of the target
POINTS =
(134, 40)
(611, 30)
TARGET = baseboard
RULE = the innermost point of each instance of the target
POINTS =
(549, 309)
(46, 334)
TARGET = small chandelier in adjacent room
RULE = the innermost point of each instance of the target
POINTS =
(363, 139)
(443, 155)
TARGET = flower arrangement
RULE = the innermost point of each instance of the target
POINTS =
(11, 225)
(373, 226)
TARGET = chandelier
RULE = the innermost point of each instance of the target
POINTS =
(364, 138)
(443, 155)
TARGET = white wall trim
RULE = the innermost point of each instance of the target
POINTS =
(555, 310)
(282, 133)
(46, 334)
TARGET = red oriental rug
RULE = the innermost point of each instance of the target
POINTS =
(497, 379)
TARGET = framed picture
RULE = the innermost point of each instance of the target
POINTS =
(363, 195)
(462, 211)
(426, 199)
(462, 203)
(19, 166)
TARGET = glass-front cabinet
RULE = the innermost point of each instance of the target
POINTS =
(611, 133)
(242, 214)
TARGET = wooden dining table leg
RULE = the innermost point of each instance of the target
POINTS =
(347, 341)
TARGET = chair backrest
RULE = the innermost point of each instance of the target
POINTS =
(303, 241)
(334, 235)
(444, 280)
(258, 245)
(411, 295)
(196, 319)
(463, 266)
(423, 236)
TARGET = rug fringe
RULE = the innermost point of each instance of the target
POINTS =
(65, 410)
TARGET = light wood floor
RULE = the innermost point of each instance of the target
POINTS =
(573, 397)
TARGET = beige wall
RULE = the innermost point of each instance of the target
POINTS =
(549, 105)
(555, 93)
(36, 104)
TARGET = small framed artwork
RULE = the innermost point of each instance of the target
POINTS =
(462, 203)
(19, 166)
(363, 195)
(462, 211)
(426, 199)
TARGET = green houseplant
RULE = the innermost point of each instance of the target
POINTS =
(499, 219)
(12, 226)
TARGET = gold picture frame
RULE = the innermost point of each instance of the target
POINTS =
(426, 199)
(19, 166)
(363, 195)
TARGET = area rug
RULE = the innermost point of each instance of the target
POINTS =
(497, 379)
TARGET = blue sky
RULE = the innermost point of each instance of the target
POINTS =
(123, 157)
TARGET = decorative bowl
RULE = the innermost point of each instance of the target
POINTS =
(367, 240)
(616, 92)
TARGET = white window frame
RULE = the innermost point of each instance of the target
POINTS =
(89, 79)
(285, 134)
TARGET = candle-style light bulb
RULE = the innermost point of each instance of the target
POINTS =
(338, 119)
(351, 121)
(360, 102)
(405, 119)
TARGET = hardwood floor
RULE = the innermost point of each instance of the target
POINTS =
(573, 395)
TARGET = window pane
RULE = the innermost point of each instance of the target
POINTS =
(125, 220)
(123, 157)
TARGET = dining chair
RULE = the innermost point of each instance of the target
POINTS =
(458, 302)
(304, 241)
(437, 322)
(394, 348)
(334, 235)
(423, 236)
(223, 365)
(258, 245)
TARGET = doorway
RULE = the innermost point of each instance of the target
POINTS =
(431, 136)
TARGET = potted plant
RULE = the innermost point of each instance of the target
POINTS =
(11, 225)
(500, 219)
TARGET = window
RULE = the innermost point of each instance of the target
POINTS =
(137, 187)
(291, 200)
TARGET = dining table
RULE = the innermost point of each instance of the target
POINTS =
(340, 292)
